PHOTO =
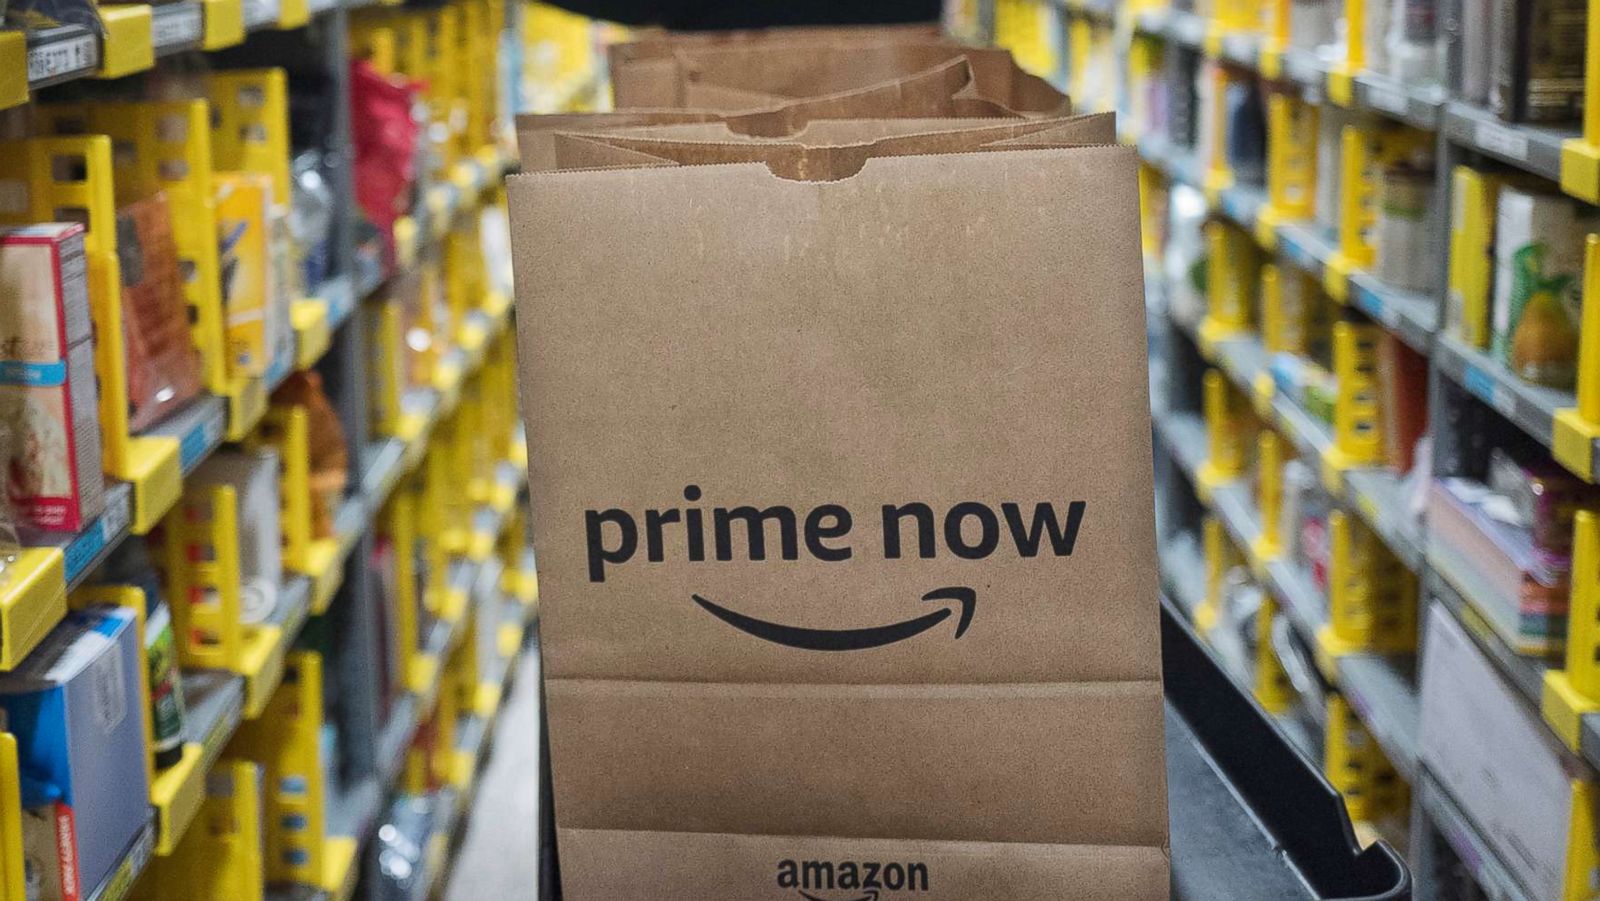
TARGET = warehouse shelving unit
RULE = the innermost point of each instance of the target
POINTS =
(1213, 509)
(256, 706)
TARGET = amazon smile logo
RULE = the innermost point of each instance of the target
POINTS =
(850, 880)
(850, 639)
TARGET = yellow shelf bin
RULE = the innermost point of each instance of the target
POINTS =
(387, 376)
(1356, 766)
(433, 527)
(1576, 430)
(1232, 279)
(1372, 598)
(33, 598)
(1271, 686)
(221, 857)
(1572, 693)
(165, 146)
(1230, 427)
(398, 524)
(223, 23)
(286, 428)
(1365, 152)
(13, 879)
(200, 556)
(312, 331)
(1471, 266)
(1357, 419)
(250, 124)
(128, 44)
(286, 743)
(1291, 164)
(1341, 76)
(71, 178)
(1269, 497)
(13, 72)
(1580, 156)
(1220, 557)
(177, 791)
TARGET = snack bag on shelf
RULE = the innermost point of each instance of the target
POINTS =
(163, 364)
(330, 459)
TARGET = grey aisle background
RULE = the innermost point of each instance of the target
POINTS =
(499, 858)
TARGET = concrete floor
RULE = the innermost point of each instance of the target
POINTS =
(498, 856)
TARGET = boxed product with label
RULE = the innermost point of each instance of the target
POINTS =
(1489, 749)
(795, 425)
(253, 475)
(48, 394)
(254, 305)
(76, 710)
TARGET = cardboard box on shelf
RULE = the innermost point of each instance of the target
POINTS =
(244, 218)
(802, 507)
(1494, 755)
(48, 396)
(75, 708)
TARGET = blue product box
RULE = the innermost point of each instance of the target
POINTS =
(75, 707)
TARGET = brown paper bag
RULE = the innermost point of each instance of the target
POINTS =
(938, 92)
(842, 498)
(825, 149)
(744, 76)
(653, 85)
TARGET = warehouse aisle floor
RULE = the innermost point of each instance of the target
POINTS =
(498, 858)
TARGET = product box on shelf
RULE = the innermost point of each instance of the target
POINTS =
(253, 474)
(48, 395)
(244, 201)
(76, 709)
(1490, 750)
(846, 527)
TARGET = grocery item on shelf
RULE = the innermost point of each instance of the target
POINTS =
(1306, 506)
(166, 686)
(385, 147)
(1331, 123)
(1310, 386)
(1474, 200)
(1405, 194)
(76, 710)
(1507, 557)
(163, 364)
(1411, 43)
(311, 215)
(1538, 287)
(257, 314)
(1403, 400)
(1490, 750)
(330, 457)
(1313, 23)
(1377, 16)
(1473, 49)
(1246, 142)
(1184, 260)
(254, 476)
(48, 394)
(1536, 59)
(131, 564)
